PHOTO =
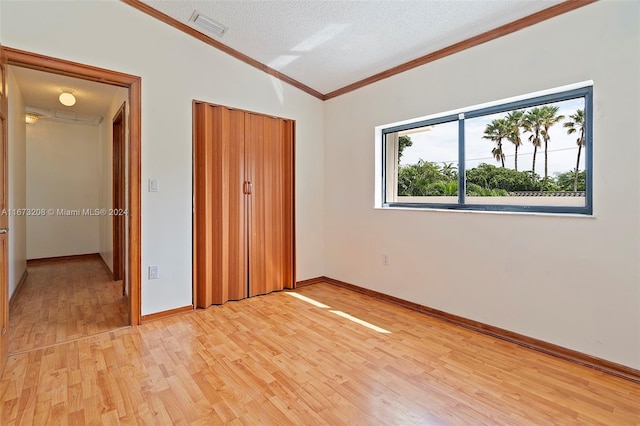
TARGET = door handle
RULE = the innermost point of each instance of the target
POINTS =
(4, 230)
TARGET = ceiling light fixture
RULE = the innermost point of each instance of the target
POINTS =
(208, 24)
(30, 118)
(67, 99)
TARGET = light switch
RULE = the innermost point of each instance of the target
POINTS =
(153, 272)
(153, 185)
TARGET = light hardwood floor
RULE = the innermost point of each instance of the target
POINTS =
(276, 359)
(64, 300)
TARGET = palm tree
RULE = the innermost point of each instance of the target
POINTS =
(514, 122)
(532, 123)
(496, 131)
(574, 126)
(449, 171)
(550, 118)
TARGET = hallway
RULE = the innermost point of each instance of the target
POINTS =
(64, 300)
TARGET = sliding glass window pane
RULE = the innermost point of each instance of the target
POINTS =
(422, 165)
(527, 157)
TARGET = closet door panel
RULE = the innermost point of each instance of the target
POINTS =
(243, 217)
(234, 242)
(275, 223)
(287, 213)
(254, 160)
(219, 219)
(203, 221)
(272, 206)
(270, 242)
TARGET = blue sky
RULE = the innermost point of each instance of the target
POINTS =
(440, 144)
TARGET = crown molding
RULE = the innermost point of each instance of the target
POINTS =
(527, 21)
(503, 30)
(143, 7)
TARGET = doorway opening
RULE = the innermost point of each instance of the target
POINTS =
(123, 217)
(119, 203)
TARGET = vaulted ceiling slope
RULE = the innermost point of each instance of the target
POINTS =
(331, 47)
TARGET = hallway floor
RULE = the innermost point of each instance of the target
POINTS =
(64, 300)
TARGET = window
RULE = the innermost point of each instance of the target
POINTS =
(529, 153)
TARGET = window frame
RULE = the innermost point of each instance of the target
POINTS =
(583, 90)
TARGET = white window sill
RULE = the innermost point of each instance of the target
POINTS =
(511, 213)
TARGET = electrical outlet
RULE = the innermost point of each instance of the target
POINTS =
(385, 259)
(153, 272)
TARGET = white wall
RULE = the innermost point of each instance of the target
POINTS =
(571, 281)
(63, 172)
(17, 151)
(106, 173)
(175, 69)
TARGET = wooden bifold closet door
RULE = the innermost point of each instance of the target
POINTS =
(243, 204)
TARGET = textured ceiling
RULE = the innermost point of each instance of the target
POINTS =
(327, 45)
(41, 90)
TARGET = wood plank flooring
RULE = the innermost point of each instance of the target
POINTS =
(279, 360)
(64, 300)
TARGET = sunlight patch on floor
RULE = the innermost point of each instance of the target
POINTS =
(361, 322)
(308, 300)
(339, 313)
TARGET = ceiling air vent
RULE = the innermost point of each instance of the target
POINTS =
(208, 24)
